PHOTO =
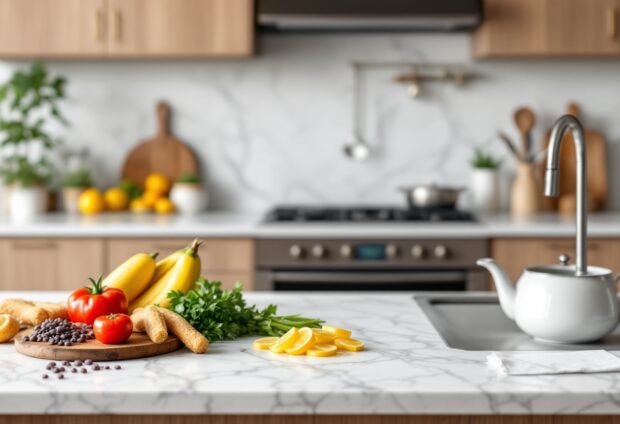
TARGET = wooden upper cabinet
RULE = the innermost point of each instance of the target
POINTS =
(126, 28)
(181, 28)
(52, 28)
(541, 28)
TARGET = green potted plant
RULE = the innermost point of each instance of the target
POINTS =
(484, 182)
(73, 184)
(188, 195)
(28, 101)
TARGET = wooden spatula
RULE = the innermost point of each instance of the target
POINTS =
(525, 121)
(163, 153)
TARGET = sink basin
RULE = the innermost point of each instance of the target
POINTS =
(476, 322)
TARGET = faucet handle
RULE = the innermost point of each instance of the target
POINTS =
(564, 259)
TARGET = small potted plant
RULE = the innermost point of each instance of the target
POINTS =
(73, 184)
(188, 195)
(484, 182)
(28, 101)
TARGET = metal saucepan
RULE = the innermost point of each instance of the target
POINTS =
(432, 196)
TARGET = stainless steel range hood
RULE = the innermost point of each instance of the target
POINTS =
(369, 15)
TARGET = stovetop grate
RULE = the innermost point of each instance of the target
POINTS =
(365, 214)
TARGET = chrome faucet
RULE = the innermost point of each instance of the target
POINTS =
(552, 180)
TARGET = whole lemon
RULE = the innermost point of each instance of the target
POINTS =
(116, 199)
(157, 182)
(138, 206)
(164, 206)
(150, 197)
(91, 202)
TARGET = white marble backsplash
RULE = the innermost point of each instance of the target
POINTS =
(270, 129)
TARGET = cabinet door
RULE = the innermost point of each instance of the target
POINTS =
(514, 28)
(182, 28)
(49, 264)
(52, 28)
(583, 27)
(516, 254)
(227, 260)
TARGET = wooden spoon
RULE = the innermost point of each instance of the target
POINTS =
(525, 121)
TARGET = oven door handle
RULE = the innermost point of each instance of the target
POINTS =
(369, 277)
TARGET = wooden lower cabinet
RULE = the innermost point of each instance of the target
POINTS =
(49, 264)
(226, 260)
(515, 254)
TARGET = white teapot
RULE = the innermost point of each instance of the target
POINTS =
(562, 303)
(552, 304)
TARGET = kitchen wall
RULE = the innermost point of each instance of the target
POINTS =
(271, 129)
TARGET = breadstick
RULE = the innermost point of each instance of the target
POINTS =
(9, 327)
(154, 324)
(137, 319)
(188, 335)
(54, 310)
(24, 310)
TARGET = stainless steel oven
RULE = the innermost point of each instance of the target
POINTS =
(370, 264)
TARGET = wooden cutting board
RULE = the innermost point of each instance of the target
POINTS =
(597, 170)
(163, 153)
(138, 346)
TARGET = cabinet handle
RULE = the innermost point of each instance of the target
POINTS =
(99, 25)
(611, 23)
(34, 245)
(117, 25)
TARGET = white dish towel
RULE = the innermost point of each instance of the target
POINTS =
(545, 362)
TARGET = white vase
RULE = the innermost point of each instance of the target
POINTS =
(27, 202)
(188, 198)
(484, 191)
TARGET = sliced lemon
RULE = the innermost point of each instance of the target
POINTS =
(352, 345)
(322, 350)
(322, 336)
(304, 342)
(265, 343)
(339, 333)
(286, 341)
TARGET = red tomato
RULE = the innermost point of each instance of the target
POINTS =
(113, 329)
(87, 303)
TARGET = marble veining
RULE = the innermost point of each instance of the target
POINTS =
(270, 129)
(407, 369)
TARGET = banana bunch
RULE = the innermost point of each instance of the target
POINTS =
(146, 282)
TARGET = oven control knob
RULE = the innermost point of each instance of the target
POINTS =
(441, 251)
(319, 251)
(391, 251)
(346, 251)
(418, 252)
(296, 251)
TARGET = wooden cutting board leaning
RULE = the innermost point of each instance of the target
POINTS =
(596, 170)
(162, 153)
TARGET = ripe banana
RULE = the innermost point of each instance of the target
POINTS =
(165, 265)
(132, 276)
(181, 277)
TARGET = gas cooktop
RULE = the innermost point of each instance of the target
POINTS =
(365, 214)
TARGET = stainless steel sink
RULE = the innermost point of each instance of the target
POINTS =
(476, 322)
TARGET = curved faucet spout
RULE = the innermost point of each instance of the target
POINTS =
(552, 186)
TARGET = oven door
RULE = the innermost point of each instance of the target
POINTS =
(342, 280)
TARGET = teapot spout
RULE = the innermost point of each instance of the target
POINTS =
(505, 288)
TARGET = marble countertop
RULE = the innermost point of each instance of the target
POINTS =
(221, 224)
(407, 369)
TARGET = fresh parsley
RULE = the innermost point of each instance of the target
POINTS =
(224, 315)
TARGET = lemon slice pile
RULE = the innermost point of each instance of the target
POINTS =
(317, 342)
